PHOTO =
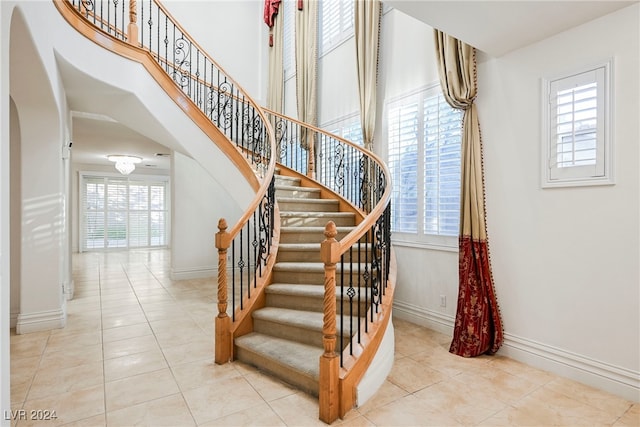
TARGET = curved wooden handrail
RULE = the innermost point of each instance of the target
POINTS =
(146, 58)
(369, 218)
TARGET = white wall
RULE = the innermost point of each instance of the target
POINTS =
(565, 260)
(232, 32)
(198, 203)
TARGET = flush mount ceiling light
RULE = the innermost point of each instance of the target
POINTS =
(124, 164)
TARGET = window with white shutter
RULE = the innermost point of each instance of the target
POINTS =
(577, 149)
(336, 23)
(424, 137)
(288, 9)
(123, 212)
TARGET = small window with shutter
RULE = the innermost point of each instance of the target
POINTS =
(577, 148)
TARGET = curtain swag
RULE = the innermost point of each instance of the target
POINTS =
(478, 325)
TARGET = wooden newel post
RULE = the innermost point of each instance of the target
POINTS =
(223, 321)
(329, 361)
(132, 29)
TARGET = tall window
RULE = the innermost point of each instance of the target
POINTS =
(288, 8)
(424, 135)
(336, 23)
(577, 146)
(123, 213)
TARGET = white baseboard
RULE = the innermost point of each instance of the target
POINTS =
(613, 379)
(431, 319)
(69, 290)
(193, 272)
(41, 321)
(13, 319)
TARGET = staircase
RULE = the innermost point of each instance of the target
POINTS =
(287, 337)
(281, 316)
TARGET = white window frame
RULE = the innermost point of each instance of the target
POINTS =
(601, 171)
(146, 179)
(420, 238)
(344, 21)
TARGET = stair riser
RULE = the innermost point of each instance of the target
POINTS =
(314, 256)
(314, 278)
(307, 221)
(309, 303)
(306, 206)
(303, 194)
(295, 237)
(297, 379)
(290, 332)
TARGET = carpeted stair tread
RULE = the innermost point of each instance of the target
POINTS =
(315, 267)
(301, 200)
(319, 230)
(302, 358)
(297, 188)
(310, 320)
(317, 214)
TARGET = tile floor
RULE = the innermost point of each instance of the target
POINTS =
(138, 350)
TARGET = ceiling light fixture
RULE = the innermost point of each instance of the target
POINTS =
(124, 164)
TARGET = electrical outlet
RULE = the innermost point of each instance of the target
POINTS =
(443, 300)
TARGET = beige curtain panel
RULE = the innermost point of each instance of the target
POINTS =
(307, 62)
(275, 93)
(367, 35)
(478, 325)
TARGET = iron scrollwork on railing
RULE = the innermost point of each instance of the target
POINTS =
(357, 176)
(250, 250)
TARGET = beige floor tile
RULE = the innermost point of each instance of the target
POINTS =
(260, 415)
(497, 383)
(141, 388)
(69, 407)
(118, 320)
(125, 332)
(447, 363)
(631, 417)
(413, 376)
(590, 396)
(469, 407)
(167, 411)
(19, 391)
(269, 387)
(202, 373)
(129, 346)
(49, 382)
(20, 348)
(223, 398)
(511, 416)
(298, 409)
(68, 358)
(97, 421)
(196, 350)
(555, 408)
(386, 394)
(24, 368)
(180, 336)
(133, 364)
(73, 341)
(357, 421)
(408, 411)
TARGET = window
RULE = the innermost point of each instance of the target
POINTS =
(289, 47)
(348, 127)
(577, 147)
(424, 135)
(123, 213)
(336, 23)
